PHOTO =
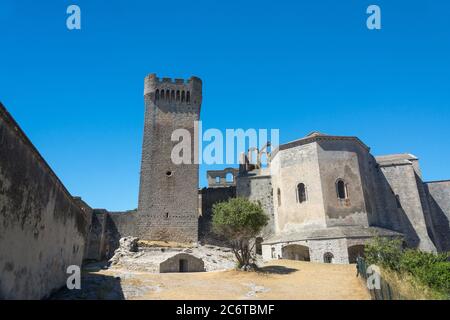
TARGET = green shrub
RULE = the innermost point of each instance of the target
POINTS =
(384, 252)
(437, 277)
(413, 261)
(428, 269)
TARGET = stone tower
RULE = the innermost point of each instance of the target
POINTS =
(168, 195)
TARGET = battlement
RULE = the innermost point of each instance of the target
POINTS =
(155, 79)
(173, 91)
(153, 83)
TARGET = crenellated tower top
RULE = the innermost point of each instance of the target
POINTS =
(167, 91)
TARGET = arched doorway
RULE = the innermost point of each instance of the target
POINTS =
(296, 252)
(354, 252)
(328, 257)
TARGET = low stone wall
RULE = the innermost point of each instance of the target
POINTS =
(182, 262)
(42, 229)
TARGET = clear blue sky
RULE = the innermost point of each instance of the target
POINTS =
(299, 66)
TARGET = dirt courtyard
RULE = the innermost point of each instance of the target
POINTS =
(279, 279)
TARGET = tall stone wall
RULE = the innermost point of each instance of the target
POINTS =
(168, 200)
(258, 188)
(439, 200)
(289, 167)
(42, 229)
(344, 160)
(207, 198)
(403, 181)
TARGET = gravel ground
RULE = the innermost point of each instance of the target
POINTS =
(279, 279)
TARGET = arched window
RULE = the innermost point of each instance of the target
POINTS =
(162, 94)
(341, 189)
(279, 196)
(182, 96)
(301, 192)
(328, 257)
(178, 95)
(188, 97)
(168, 94)
(229, 177)
(172, 95)
(217, 179)
(157, 95)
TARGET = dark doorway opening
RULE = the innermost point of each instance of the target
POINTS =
(258, 245)
(183, 265)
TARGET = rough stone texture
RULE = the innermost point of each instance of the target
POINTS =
(168, 206)
(168, 201)
(289, 168)
(207, 198)
(42, 228)
(222, 178)
(346, 160)
(438, 193)
(174, 264)
(127, 247)
(129, 244)
(403, 181)
(149, 259)
(343, 243)
(383, 193)
(258, 188)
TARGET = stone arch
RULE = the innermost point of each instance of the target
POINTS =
(341, 189)
(182, 262)
(328, 257)
(301, 193)
(354, 252)
(296, 252)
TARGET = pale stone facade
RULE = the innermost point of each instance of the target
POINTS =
(330, 196)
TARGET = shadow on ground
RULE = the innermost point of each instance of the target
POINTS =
(93, 287)
(277, 270)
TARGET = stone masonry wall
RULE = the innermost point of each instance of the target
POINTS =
(42, 229)
(439, 200)
(207, 198)
(168, 196)
(193, 264)
(259, 189)
(402, 180)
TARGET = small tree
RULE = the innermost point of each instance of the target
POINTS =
(239, 220)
